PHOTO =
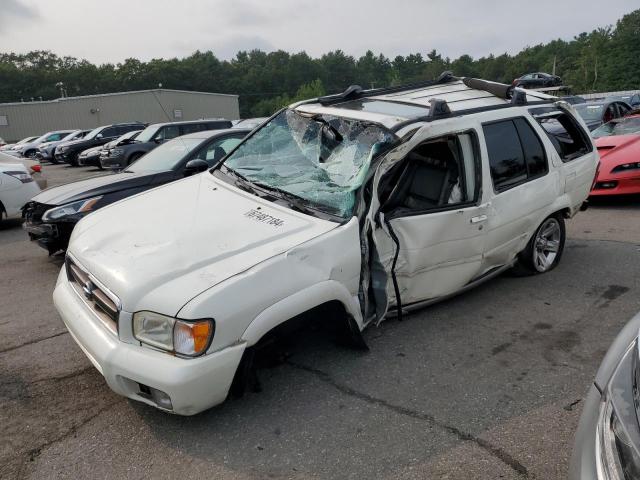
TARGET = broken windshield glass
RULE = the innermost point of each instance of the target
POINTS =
(321, 159)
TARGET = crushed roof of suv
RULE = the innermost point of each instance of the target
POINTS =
(398, 105)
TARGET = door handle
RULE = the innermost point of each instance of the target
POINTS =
(479, 218)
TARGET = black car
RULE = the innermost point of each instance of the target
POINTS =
(91, 157)
(154, 135)
(51, 215)
(537, 80)
(595, 114)
(68, 152)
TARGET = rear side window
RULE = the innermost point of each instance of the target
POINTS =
(567, 136)
(516, 154)
(110, 132)
(532, 148)
(218, 125)
(192, 128)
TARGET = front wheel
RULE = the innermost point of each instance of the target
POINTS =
(545, 248)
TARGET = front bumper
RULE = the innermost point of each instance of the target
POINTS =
(583, 461)
(193, 385)
(89, 160)
(112, 162)
(628, 184)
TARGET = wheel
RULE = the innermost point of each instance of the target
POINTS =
(30, 153)
(545, 248)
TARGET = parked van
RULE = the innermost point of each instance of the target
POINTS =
(369, 203)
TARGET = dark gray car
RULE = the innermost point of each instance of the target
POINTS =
(119, 157)
(607, 444)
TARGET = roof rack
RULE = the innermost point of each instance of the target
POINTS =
(356, 91)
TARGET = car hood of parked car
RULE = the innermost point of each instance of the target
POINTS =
(163, 247)
(616, 149)
(92, 187)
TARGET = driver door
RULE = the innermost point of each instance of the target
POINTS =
(433, 218)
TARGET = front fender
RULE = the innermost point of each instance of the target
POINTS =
(299, 303)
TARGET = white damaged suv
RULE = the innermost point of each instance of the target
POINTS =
(374, 202)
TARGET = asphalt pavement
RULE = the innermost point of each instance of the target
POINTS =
(486, 385)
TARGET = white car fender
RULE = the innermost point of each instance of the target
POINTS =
(299, 303)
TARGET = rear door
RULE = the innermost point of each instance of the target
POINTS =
(521, 185)
(432, 222)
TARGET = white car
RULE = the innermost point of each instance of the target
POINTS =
(370, 203)
(9, 146)
(30, 149)
(17, 187)
(33, 167)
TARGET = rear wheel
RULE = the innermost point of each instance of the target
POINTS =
(545, 248)
(30, 154)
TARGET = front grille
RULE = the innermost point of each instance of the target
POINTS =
(104, 304)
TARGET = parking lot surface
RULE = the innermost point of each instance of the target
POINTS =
(486, 385)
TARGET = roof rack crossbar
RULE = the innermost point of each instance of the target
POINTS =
(468, 111)
(355, 91)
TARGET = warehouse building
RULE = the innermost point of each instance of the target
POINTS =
(22, 119)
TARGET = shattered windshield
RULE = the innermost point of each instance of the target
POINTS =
(321, 159)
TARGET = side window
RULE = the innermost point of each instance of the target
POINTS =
(567, 136)
(436, 174)
(167, 133)
(192, 128)
(218, 125)
(110, 132)
(54, 137)
(532, 148)
(506, 158)
(215, 151)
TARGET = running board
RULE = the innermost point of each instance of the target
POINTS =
(392, 313)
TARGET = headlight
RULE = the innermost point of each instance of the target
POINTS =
(626, 167)
(24, 177)
(76, 208)
(116, 152)
(183, 337)
(618, 432)
(62, 149)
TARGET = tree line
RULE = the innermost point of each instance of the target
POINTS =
(606, 59)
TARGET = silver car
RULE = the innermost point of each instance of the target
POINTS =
(607, 444)
(30, 149)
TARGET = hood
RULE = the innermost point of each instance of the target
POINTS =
(91, 187)
(91, 151)
(161, 248)
(617, 149)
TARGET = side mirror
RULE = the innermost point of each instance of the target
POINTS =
(196, 165)
(99, 135)
(158, 140)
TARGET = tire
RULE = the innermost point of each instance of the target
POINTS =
(544, 250)
(30, 154)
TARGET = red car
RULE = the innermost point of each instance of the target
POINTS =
(618, 143)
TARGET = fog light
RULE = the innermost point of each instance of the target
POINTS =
(160, 398)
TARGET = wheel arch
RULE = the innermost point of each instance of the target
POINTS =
(327, 293)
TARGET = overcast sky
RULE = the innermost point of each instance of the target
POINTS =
(112, 30)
